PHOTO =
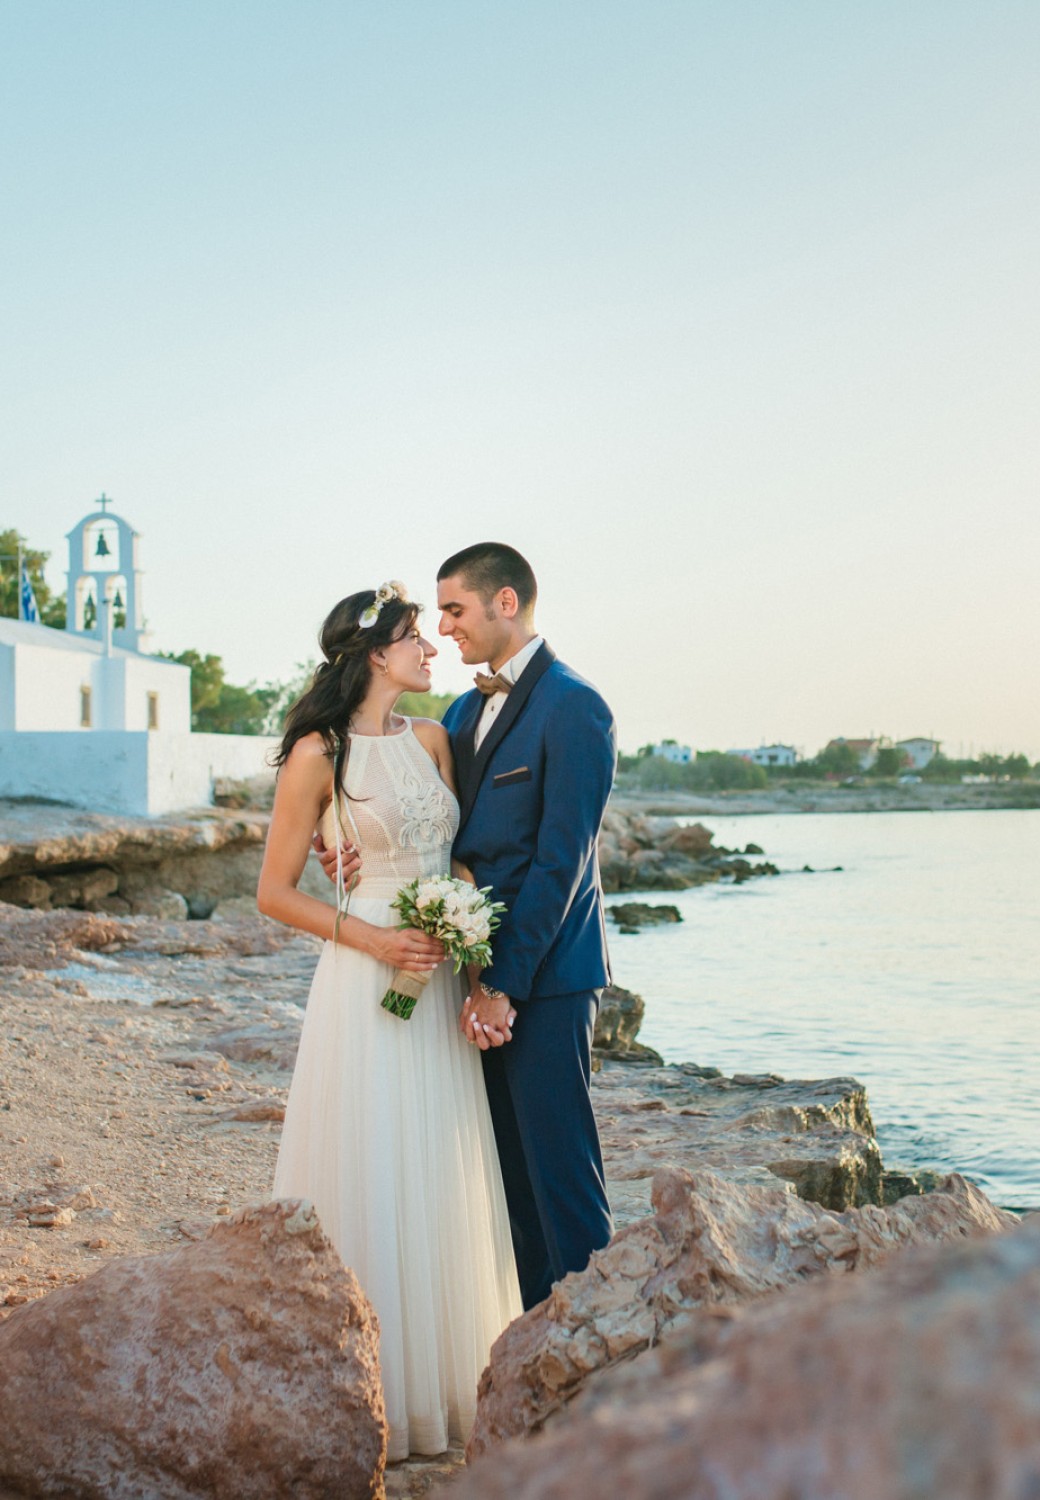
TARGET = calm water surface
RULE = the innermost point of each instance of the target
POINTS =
(916, 969)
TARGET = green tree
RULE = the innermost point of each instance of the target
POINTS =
(1013, 766)
(425, 705)
(52, 609)
(838, 759)
(942, 768)
(711, 771)
(222, 707)
(717, 771)
(890, 761)
(207, 679)
(1016, 766)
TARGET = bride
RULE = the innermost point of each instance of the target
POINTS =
(387, 1128)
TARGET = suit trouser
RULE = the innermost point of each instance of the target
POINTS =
(548, 1145)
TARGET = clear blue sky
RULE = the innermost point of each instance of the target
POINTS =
(726, 314)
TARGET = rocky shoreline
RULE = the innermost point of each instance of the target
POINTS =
(822, 797)
(144, 1065)
(205, 864)
(201, 865)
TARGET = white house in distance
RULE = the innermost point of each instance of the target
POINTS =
(919, 751)
(676, 755)
(769, 755)
(87, 717)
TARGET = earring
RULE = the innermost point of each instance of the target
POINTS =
(384, 668)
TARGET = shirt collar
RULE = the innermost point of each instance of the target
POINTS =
(512, 669)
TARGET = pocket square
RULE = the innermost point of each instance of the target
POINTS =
(506, 778)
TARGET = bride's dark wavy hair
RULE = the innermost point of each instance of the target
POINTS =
(341, 681)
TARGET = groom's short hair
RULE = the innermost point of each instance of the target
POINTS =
(489, 566)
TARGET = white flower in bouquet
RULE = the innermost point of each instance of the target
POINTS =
(465, 926)
(455, 903)
(428, 892)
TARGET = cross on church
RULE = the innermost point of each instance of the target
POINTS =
(104, 502)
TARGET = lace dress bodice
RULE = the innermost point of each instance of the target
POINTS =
(399, 813)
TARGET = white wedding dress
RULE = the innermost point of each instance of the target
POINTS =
(387, 1128)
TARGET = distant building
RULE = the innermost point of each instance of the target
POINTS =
(769, 755)
(56, 680)
(87, 717)
(678, 755)
(865, 750)
(919, 752)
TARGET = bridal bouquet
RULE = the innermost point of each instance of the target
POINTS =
(456, 912)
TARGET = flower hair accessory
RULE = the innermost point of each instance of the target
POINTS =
(384, 593)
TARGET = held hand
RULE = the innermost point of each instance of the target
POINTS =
(327, 859)
(408, 948)
(487, 1023)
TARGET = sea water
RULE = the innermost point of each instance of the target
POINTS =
(915, 968)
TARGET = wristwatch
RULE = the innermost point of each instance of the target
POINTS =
(492, 994)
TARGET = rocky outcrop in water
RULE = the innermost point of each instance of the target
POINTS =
(917, 1381)
(639, 852)
(246, 1364)
(630, 916)
(617, 1027)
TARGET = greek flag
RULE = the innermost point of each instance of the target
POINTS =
(27, 609)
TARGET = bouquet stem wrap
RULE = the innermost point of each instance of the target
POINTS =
(404, 991)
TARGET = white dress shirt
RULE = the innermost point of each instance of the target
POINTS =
(494, 702)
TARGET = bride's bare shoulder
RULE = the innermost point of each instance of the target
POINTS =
(309, 755)
(431, 732)
(433, 737)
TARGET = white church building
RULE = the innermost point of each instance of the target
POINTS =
(87, 716)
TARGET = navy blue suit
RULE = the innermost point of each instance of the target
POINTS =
(532, 800)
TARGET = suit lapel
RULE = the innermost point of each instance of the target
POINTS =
(463, 747)
(476, 764)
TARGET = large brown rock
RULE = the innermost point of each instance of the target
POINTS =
(245, 1365)
(918, 1382)
(709, 1242)
(693, 839)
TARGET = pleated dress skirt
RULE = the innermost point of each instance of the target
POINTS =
(387, 1132)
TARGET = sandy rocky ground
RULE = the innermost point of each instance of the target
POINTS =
(143, 1072)
(144, 1065)
(124, 1128)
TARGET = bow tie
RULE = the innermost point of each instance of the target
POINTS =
(496, 684)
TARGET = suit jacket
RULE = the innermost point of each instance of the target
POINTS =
(532, 801)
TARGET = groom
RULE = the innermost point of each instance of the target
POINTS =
(535, 752)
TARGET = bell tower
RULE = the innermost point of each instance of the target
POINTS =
(103, 596)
